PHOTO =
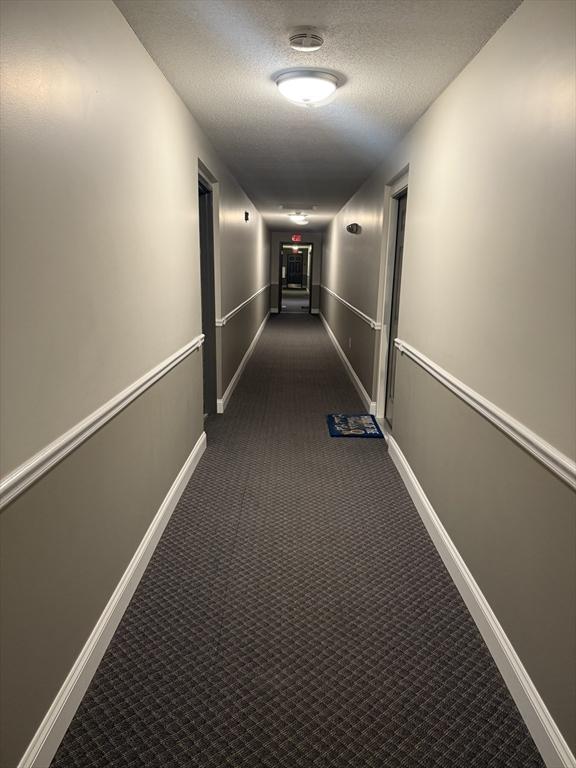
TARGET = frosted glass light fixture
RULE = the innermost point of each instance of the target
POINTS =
(306, 87)
(298, 218)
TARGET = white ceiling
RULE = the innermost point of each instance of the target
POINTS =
(396, 57)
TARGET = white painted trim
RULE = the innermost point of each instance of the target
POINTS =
(274, 310)
(551, 457)
(393, 190)
(543, 729)
(372, 323)
(51, 731)
(220, 321)
(314, 311)
(211, 181)
(27, 473)
(222, 402)
(371, 406)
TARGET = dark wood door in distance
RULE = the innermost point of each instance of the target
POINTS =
(294, 272)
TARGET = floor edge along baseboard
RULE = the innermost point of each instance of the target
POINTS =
(547, 736)
(364, 396)
(53, 727)
(222, 402)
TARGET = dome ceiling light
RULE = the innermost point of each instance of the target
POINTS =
(306, 87)
(298, 218)
(306, 39)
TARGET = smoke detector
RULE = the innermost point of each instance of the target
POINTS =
(306, 39)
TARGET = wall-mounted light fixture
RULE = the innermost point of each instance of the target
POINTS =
(354, 229)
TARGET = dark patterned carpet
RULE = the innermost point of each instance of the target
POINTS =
(294, 300)
(295, 612)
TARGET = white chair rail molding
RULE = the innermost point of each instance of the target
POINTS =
(17, 481)
(374, 324)
(547, 454)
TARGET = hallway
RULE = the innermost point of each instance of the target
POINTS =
(295, 612)
(222, 221)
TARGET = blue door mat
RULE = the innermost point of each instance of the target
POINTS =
(353, 425)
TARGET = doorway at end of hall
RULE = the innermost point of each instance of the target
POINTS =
(295, 278)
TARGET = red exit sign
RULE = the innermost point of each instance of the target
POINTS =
(297, 237)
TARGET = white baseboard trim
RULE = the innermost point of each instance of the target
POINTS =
(221, 403)
(51, 731)
(370, 405)
(546, 734)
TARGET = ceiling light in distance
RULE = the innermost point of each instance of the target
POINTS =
(298, 207)
(298, 218)
(306, 39)
(306, 86)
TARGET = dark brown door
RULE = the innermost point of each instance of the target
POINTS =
(395, 309)
(294, 271)
(208, 297)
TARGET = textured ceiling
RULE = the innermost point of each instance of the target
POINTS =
(395, 55)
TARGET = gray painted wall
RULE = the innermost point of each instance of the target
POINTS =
(488, 293)
(100, 283)
(351, 268)
(512, 520)
(489, 279)
(103, 160)
(66, 542)
(238, 333)
(243, 268)
(357, 339)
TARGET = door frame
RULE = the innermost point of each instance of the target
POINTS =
(210, 345)
(311, 257)
(394, 190)
(391, 363)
